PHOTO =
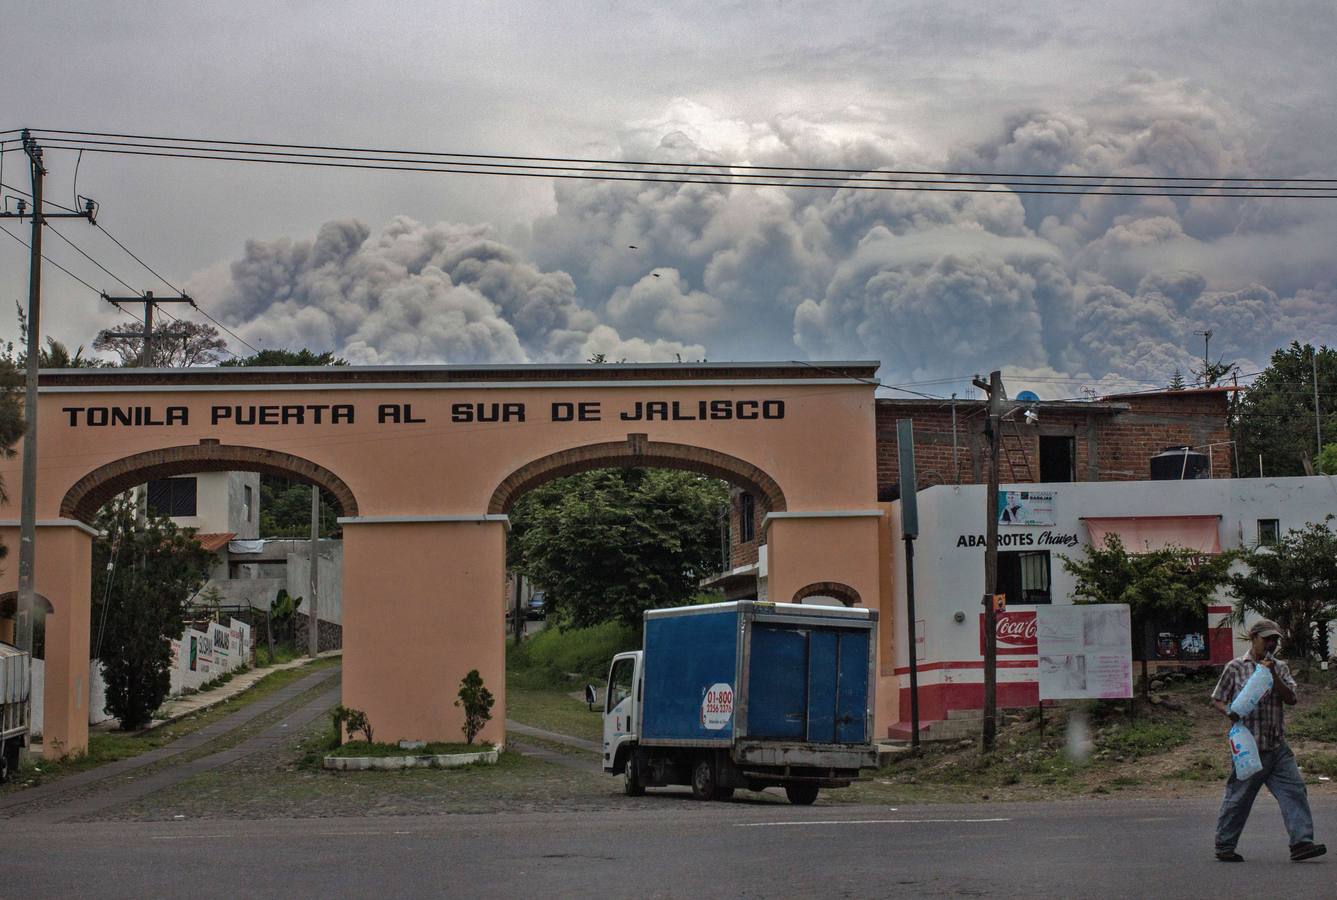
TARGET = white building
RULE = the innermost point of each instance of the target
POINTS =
(1208, 515)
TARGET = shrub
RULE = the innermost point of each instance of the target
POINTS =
(477, 703)
(352, 720)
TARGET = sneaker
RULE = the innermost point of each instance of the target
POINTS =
(1229, 856)
(1307, 850)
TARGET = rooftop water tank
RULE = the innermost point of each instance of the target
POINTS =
(1181, 462)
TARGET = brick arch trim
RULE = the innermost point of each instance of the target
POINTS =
(9, 604)
(636, 451)
(88, 494)
(842, 592)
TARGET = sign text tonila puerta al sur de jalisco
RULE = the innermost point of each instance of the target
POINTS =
(229, 414)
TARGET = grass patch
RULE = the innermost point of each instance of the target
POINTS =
(1205, 766)
(433, 748)
(555, 654)
(1319, 724)
(283, 653)
(110, 746)
(1319, 763)
(1142, 738)
(553, 710)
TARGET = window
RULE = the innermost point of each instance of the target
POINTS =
(619, 683)
(1058, 457)
(247, 502)
(1024, 575)
(172, 496)
(746, 518)
(1269, 531)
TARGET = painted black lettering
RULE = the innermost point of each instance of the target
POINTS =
(73, 413)
(178, 415)
(408, 415)
(721, 409)
(489, 412)
(589, 411)
(97, 416)
(461, 412)
(563, 412)
(637, 414)
(269, 415)
(317, 413)
(678, 413)
(294, 415)
(773, 409)
(121, 416)
(747, 409)
(657, 409)
(244, 415)
(513, 412)
(387, 412)
(219, 413)
(341, 412)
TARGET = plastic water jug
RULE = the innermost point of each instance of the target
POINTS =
(1244, 751)
(1259, 683)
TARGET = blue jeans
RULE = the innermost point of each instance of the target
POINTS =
(1282, 778)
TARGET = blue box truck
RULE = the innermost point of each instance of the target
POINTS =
(744, 695)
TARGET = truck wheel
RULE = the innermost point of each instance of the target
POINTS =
(723, 793)
(9, 761)
(802, 794)
(4, 766)
(632, 783)
(703, 781)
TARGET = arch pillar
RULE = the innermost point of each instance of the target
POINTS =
(808, 549)
(421, 607)
(64, 577)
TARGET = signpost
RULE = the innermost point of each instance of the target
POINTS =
(905, 450)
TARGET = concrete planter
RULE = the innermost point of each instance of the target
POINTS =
(440, 761)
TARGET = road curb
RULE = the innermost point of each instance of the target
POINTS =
(431, 761)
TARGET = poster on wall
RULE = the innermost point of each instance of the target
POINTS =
(1026, 508)
(1016, 632)
(1086, 652)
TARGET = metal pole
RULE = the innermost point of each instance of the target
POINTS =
(23, 624)
(519, 609)
(146, 360)
(313, 619)
(991, 565)
(1318, 420)
(914, 647)
(956, 470)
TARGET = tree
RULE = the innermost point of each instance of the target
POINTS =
(1276, 416)
(175, 344)
(11, 415)
(613, 543)
(144, 568)
(1213, 373)
(1161, 585)
(1293, 583)
(285, 509)
(1327, 460)
(1177, 382)
(275, 358)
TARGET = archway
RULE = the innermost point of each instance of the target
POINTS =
(842, 593)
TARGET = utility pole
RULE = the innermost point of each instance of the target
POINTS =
(994, 390)
(1206, 355)
(27, 592)
(1318, 416)
(905, 450)
(150, 303)
(313, 616)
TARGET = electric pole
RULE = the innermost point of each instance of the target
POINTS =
(150, 303)
(994, 390)
(1206, 356)
(23, 620)
(313, 616)
(1318, 416)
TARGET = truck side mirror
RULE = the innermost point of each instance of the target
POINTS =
(590, 696)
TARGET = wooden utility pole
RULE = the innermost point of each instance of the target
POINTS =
(313, 611)
(150, 303)
(994, 389)
(27, 591)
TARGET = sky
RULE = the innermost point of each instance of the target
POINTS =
(1065, 295)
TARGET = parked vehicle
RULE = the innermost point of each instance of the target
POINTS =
(15, 712)
(537, 607)
(744, 695)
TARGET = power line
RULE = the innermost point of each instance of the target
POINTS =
(132, 255)
(46, 201)
(81, 252)
(659, 177)
(645, 163)
(53, 262)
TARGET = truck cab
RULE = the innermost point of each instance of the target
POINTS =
(621, 710)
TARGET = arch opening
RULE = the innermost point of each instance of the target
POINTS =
(843, 593)
(637, 452)
(83, 500)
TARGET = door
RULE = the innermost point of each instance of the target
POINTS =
(852, 688)
(823, 679)
(619, 705)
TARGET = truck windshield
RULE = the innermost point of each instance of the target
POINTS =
(619, 682)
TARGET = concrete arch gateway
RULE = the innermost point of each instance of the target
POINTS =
(425, 461)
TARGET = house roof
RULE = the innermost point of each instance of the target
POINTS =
(215, 541)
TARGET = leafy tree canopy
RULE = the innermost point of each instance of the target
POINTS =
(613, 543)
(1293, 583)
(145, 569)
(273, 358)
(175, 344)
(1276, 416)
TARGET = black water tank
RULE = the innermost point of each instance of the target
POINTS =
(1174, 463)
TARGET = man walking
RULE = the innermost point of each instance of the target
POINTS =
(1279, 773)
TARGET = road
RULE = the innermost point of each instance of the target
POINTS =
(679, 848)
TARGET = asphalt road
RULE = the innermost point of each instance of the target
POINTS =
(680, 848)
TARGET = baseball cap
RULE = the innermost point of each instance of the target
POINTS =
(1264, 628)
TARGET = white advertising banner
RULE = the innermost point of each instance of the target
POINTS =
(1026, 508)
(1086, 651)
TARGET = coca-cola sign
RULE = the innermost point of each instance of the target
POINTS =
(1016, 633)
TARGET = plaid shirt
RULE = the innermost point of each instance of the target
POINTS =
(1267, 721)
